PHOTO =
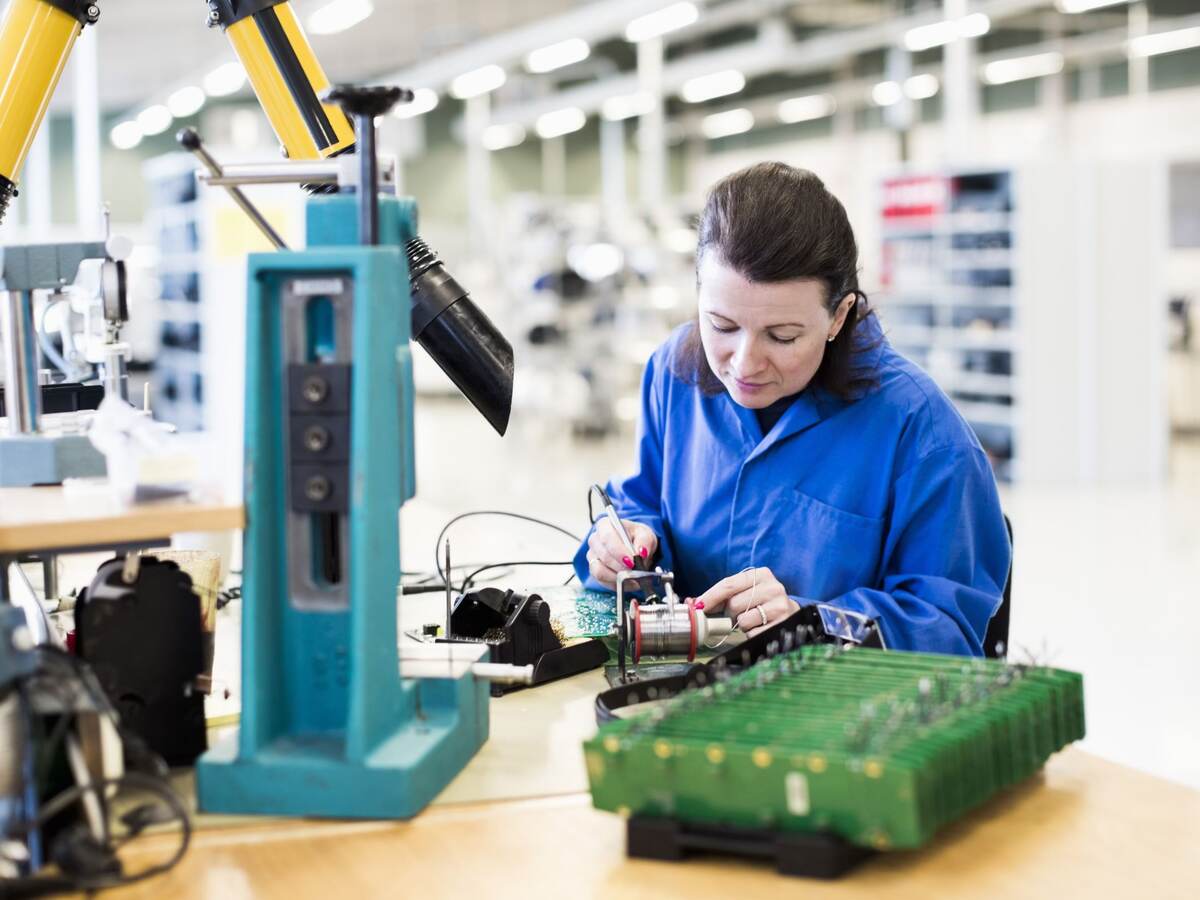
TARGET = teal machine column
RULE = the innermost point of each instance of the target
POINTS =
(329, 726)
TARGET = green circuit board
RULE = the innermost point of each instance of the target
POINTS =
(880, 748)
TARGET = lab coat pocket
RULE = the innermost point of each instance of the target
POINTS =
(829, 551)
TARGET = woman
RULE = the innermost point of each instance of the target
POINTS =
(788, 455)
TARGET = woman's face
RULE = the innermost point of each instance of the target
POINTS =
(763, 340)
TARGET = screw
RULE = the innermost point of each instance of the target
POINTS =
(316, 438)
(317, 488)
(315, 389)
(93, 13)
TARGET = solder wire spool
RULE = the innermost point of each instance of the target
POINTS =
(672, 629)
(36, 38)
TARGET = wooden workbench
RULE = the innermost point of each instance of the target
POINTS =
(518, 822)
(1084, 828)
(47, 518)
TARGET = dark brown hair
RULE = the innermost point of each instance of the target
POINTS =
(771, 222)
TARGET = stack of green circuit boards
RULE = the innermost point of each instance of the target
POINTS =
(879, 748)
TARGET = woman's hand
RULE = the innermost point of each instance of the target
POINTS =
(607, 554)
(754, 599)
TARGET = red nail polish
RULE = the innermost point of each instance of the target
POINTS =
(699, 604)
(628, 562)
(643, 552)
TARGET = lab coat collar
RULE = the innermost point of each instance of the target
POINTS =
(810, 407)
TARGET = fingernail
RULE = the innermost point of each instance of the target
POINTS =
(643, 552)
(628, 562)
(699, 604)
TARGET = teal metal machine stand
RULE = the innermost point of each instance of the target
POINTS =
(330, 726)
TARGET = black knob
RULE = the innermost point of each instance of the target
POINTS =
(370, 101)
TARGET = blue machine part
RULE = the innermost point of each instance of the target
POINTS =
(328, 726)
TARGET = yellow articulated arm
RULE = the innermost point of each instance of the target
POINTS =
(36, 37)
(285, 74)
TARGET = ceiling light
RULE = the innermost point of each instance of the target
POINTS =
(564, 53)
(478, 81)
(560, 122)
(186, 101)
(656, 24)
(887, 93)
(627, 106)
(126, 135)
(1078, 6)
(1020, 68)
(921, 87)
(1165, 42)
(974, 25)
(709, 87)
(724, 124)
(501, 137)
(154, 119)
(805, 109)
(422, 102)
(225, 80)
(924, 37)
(339, 15)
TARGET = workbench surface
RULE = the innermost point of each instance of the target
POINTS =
(46, 518)
(1085, 827)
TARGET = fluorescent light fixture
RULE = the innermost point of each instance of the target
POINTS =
(564, 53)
(887, 93)
(225, 80)
(424, 99)
(560, 122)
(921, 87)
(154, 119)
(627, 106)
(662, 21)
(1078, 6)
(1165, 42)
(925, 37)
(126, 135)
(501, 137)
(339, 15)
(974, 25)
(709, 87)
(477, 81)
(1019, 68)
(724, 124)
(186, 101)
(805, 109)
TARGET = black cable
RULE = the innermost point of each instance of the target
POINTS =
(470, 579)
(437, 547)
(42, 886)
(50, 658)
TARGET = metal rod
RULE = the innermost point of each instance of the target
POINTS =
(448, 589)
(368, 180)
(191, 140)
(300, 176)
(22, 394)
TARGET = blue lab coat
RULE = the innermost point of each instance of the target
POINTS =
(886, 505)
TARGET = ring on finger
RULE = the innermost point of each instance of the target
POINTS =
(762, 612)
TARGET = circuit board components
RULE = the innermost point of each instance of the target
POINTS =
(880, 749)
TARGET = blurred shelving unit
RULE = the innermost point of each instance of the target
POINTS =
(173, 224)
(203, 240)
(1033, 296)
(948, 275)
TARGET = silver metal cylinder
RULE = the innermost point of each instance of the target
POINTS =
(116, 372)
(22, 394)
(319, 172)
